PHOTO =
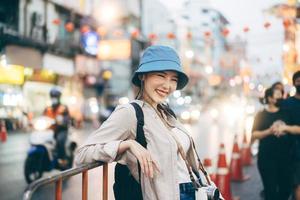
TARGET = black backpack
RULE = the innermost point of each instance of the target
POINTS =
(125, 186)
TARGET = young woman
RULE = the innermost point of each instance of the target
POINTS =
(274, 148)
(164, 173)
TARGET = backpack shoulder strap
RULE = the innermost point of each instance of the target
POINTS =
(140, 135)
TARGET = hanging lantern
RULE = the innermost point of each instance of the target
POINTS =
(69, 26)
(246, 29)
(207, 33)
(56, 21)
(225, 32)
(84, 29)
(135, 33)
(171, 35)
(118, 33)
(267, 25)
(286, 23)
(189, 36)
(152, 36)
(101, 30)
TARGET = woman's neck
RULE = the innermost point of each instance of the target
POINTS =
(272, 108)
(149, 100)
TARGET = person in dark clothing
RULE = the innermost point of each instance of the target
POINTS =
(61, 115)
(292, 107)
(273, 151)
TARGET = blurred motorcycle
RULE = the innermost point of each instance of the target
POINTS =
(42, 154)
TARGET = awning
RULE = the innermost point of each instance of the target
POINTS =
(58, 64)
(86, 65)
(24, 56)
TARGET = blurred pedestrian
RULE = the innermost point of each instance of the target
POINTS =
(274, 151)
(164, 172)
(291, 106)
(61, 115)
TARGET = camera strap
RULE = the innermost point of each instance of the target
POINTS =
(189, 166)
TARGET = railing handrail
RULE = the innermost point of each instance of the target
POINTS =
(31, 188)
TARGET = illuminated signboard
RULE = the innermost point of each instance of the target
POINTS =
(114, 50)
(12, 74)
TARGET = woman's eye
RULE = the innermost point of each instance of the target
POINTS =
(175, 80)
(160, 75)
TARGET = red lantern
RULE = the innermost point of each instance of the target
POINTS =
(56, 21)
(267, 25)
(286, 23)
(118, 33)
(84, 29)
(135, 33)
(101, 31)
(189, 36)
(152, 36)
(207, 33)
(69, 27)
(171, 36)
(246, 29)
(225, 32)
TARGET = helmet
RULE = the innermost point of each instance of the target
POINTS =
(160, 58)
(55, 92)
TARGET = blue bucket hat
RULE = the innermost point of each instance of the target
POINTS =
(160, 58)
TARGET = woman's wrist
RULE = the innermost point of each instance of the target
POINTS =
(124, 146)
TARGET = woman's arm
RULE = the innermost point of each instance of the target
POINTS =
(104, 143)
(111, 140)
(257, 132)
(293, 129)
(261, 134)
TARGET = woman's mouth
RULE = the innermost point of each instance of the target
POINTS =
(161, 92)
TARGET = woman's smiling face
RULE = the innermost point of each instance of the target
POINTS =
(159, 85)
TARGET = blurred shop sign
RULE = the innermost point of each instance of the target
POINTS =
(86, 65)
(90, 42)
(24, 56)
(58, 64)
(114, 50)
(12, 74)
(42, 75)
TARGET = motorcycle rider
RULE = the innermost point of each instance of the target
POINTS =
(60, 114)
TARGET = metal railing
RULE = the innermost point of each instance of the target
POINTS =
(58, 179)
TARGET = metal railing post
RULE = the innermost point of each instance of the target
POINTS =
(58, 189)
(85, 185)
(58, 179)
(105, 182)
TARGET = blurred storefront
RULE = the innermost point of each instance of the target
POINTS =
(11, 97)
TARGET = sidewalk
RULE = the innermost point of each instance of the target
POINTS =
(250, 189)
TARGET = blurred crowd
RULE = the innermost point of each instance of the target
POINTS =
(277, 127)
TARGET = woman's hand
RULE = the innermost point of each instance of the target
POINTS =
(148, 165)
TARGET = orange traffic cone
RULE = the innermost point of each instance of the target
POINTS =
(3, 131)
(208, 166)
(223, 176)
(236, 170)
(246, 152)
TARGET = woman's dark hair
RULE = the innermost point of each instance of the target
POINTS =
(278, 83)
(295, 76)
(268, 93)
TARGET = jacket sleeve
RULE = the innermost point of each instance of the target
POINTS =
(102, 144)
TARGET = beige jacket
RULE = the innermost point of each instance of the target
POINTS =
(102, 145)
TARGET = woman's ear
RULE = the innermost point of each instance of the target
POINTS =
(142, 77)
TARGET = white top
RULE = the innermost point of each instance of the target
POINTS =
(184, 140)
